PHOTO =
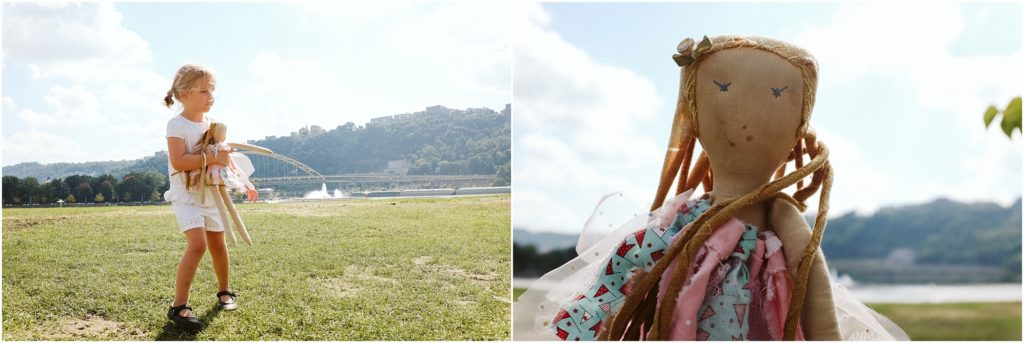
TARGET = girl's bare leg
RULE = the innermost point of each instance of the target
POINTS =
(221, 260)
(194, 250)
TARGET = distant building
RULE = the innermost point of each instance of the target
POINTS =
(316, 130)
(380, 120)
(397, 167)
(304, 132)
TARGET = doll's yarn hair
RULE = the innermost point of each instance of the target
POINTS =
(186, 78)
(207, 139)
(642, 314)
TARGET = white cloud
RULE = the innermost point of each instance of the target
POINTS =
(576, 132)
(462, 46)
(8, 105)
(98, 82)
(373, 61)
(948, 93)
(858, 182)
(41, 147)
(71, 106)
(290, 92)
(70, 33)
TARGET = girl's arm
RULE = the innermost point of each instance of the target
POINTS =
(182, 160)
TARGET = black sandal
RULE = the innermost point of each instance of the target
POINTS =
(227, 306)
(188, 323)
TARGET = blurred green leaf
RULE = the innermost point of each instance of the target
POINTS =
(1011, 117)
(990, 114)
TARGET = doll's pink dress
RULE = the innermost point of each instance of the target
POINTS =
(231, 175)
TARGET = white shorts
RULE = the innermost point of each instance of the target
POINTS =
(192, 216)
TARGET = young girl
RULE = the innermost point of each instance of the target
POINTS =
(197, 216)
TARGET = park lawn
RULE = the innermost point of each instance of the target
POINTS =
(956, 322)
(947, 322)
(384, 269)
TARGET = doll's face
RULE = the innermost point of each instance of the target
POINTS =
(219, 132)
(749, 104)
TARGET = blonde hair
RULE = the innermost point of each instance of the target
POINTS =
(642, 310)
(186, 79)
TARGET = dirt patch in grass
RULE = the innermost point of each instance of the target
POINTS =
(465, 274)
(355, 272)
(352, 281)
(15, 224)
(339, 287)
(422, 260)
(91, 327)
(462, 302)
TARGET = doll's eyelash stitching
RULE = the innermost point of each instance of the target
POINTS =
(724, 87)
(778, 91)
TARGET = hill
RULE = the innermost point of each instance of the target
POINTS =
(940, 241)
(437, 141)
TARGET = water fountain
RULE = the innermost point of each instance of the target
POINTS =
(324, 194)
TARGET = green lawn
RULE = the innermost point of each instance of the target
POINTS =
(385, 269)
(956, 322)
(947, 322)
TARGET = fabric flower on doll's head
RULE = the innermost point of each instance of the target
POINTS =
(687, 54)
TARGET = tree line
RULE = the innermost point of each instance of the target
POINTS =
(141, 186)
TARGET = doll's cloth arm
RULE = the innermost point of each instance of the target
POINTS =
(819, 311)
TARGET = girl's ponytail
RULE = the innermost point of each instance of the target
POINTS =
(169, 99)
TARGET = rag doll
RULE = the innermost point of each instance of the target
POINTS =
(738, 262)
(222, 178)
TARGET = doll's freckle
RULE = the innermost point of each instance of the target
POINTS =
(744, 127)
(731, 144)
(750, 138)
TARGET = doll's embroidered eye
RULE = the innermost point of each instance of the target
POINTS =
(777, 92)
(723, 86)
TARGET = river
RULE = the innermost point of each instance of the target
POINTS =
(907, 294)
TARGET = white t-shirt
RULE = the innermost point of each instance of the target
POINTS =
(191, 132)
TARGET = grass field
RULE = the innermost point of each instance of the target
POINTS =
(956, 322)
(386, 269)
(948, 322)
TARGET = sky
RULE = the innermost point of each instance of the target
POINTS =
(902, 88)
(86, 81)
